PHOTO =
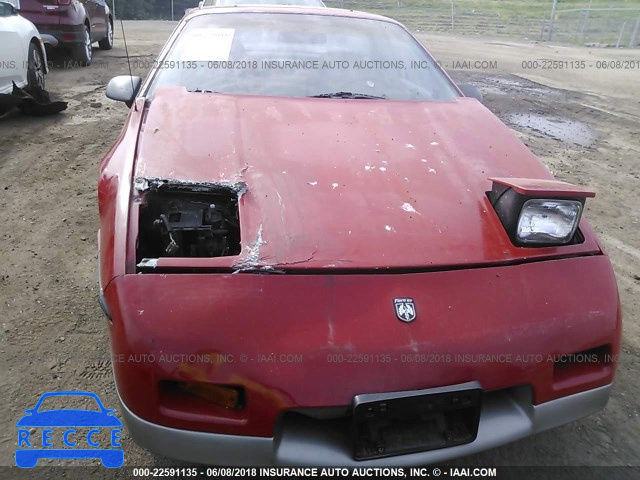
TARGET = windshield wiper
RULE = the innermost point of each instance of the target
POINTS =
(347, 95)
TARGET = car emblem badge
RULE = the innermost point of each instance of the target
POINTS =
(405, 309)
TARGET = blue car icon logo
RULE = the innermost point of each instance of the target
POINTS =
(30, 450)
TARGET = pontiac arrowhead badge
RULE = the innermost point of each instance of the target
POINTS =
(405, 309)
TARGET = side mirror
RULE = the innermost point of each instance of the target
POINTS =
(471, 91)
(124, 88)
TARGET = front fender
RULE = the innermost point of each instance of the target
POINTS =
(114, 193)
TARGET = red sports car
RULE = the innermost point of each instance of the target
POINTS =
(314, 249)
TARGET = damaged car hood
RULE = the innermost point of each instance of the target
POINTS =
(344, 184)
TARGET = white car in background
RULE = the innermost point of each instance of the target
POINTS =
(23, 58)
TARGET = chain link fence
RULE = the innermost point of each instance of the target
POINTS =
(619, 27)
(617, 24)
(600, 22)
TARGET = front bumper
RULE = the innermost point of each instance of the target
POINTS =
(316, 341)
(506, 416)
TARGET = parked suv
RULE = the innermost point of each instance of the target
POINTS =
(72, 24)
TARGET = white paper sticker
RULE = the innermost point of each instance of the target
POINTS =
(209, 45)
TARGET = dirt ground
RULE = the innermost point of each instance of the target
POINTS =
(584, 124)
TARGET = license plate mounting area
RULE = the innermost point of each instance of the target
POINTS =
(410, 423)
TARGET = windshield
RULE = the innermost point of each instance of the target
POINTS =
(300, 55)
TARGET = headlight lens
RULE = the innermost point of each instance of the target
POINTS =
(548, 221)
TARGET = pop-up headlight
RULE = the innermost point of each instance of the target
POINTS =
(539, 213)
(548, 221)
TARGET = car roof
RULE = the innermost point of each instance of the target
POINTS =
(291, 9)
(76, 393)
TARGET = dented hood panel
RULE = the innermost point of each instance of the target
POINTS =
(346, 184)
